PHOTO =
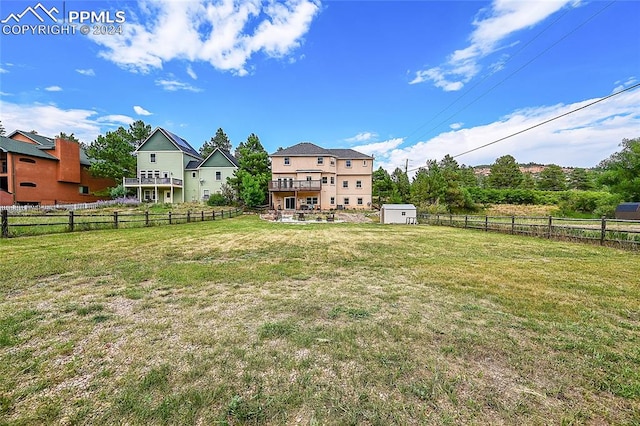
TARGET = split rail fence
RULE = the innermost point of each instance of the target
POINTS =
(16, 225)
(606, 232)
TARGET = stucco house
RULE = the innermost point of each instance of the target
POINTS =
(39, 170)
(306, 176)
(169, 170)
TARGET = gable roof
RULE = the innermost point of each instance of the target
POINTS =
(24, 148)
(226, 154)
(40, 140)
(308, 149)
(175, 140)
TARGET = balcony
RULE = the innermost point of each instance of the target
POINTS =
(295, 185)
(152, 182)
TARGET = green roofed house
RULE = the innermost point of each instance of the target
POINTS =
(169, 170)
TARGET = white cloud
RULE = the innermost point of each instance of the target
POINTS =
(141, 111)
(50, 120)
(362, 137)
(456, 126)
(226, 33)
(192, 73)
(493, 26)
(53, 89)
(5, 94)
(379, 148)
(88, 72)
(175, 85)
(581, 139)
(2, 71)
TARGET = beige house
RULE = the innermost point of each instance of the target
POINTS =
(306, 176)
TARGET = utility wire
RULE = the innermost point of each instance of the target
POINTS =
(549, 120)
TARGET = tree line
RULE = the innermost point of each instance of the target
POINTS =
(446, 186)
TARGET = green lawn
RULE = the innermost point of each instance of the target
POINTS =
(247, 322)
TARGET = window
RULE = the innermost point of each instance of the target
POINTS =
(27, 160)
(166, 175)
(358, 184)
(333, 200)
(348, 163)
(360, 201)
(320, 161)
(218, 175)
(205, 193)
(333, 180)
(156, 174)
(325, 180)
(83, 190)
(286, 161)
(143, 174)
(312, 201)
(345, 183)
(332, 162)
(193, 174)
(404, 213)
(152, 158)
(149, 195)
(346, 201)
(28, 184)
(308, 178)
(364, 163)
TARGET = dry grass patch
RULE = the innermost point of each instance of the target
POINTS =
(243, 321)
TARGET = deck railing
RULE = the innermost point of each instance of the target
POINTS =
(152, 181)
(295, 185)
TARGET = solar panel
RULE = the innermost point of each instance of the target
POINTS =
(182, 143)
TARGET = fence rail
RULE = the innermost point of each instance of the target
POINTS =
(607, 232)
(69, 206)
(16, 225)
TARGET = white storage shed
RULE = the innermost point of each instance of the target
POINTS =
(399, 213)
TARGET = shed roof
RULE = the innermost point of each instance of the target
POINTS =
(628, 207)
(398, 207)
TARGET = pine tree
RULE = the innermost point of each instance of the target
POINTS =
(220, 140)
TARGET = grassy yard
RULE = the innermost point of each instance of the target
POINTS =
(246, 322)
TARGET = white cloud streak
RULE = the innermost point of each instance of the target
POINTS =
(225, 33)
(493, 26)
(362, 137)
(172, 85)
(53, 89)
(88, 72)
(141, 111)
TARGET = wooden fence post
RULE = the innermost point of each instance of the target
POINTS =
(513, 224)
(550, 226)
(146, 218)
(486, 223)
(213, 215)
(188, 216)
(466, 220)
(71, 224)
(603, 230)
(202, 216)
(169, 218)
(5, 223)
(115, 220)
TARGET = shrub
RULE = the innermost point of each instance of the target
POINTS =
(217, 200)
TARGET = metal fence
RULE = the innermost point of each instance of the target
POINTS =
(16, 225)
(607, 232)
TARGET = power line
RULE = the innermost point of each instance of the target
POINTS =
(549, 120)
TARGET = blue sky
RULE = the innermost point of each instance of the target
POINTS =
(401, 80)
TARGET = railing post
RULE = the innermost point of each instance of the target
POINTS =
(169, 218)
(71, 224)
(486, 223)
(513, 224)
(115, 220)
(550, 226)
(603, 230)
(146, 218)
(5, 223)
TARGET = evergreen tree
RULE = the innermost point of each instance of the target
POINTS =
(114, 155)
(552, 178)
(401, 184)
(71, 137)
(382, 185)
(2, 131)
(254, 169)
(138, 132)
(220, 140)
(505, 173)
(579, 179)
(528, 181)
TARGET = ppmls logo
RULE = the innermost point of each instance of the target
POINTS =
(101, 22)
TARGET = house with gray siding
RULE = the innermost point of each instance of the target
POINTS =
(169, 170)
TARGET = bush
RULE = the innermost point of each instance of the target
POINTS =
(217, 200)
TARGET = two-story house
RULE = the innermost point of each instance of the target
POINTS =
(169, 170)
(306, 176)
(39, 170)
